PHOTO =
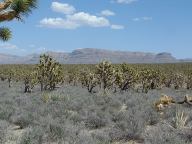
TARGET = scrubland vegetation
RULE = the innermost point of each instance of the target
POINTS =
(95, 104)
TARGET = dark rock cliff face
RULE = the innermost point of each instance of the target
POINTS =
(164, 57)
(92, 56)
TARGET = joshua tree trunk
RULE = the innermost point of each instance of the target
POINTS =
(41, 86)
(9, 81)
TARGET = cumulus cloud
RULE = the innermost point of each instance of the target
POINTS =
(107, 13)
(117, 27)
(126, 1)
(83, 18)
(63, 8)
(73, 19)
(58, 23)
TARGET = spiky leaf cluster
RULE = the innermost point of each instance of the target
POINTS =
(14, 9)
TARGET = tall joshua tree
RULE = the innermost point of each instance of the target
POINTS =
(14, 9)
(48, 73)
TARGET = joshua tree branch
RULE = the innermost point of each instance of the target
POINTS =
(4, 5)
(8, 16)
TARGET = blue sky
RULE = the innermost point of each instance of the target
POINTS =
(127, 25)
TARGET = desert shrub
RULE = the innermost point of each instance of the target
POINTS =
(163, 134)
(32, 136)
(150, 115)
(129, 127)
(186, 135)
(118, 116)
(73, 115)
(95, 121)
(48, 97)
(56, 131)
(6, 111)
(169, 114)
(23, 119)
(101, 136)
(3, 131)
(67, 133)
(84, 137)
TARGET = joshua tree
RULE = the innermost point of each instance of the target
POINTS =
(88, 79)
(48, 73)
(14, 9)
(188, 79)
(30, 81)
(126, 77)
(178, 80)
(106, 74)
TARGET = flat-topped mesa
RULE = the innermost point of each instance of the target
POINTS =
(165, 57)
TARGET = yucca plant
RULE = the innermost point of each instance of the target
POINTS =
(14, 9)
(180, 119)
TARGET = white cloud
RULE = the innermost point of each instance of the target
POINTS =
(58, 23)
(8, 46)
(83, 18)
(143, 19)
(117, 27)
(126, 1)
(63, 8)
(107, 13)
(73, 20)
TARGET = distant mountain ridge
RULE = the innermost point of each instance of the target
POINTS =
(92, 56)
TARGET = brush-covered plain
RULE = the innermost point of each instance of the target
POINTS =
(72, 115)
